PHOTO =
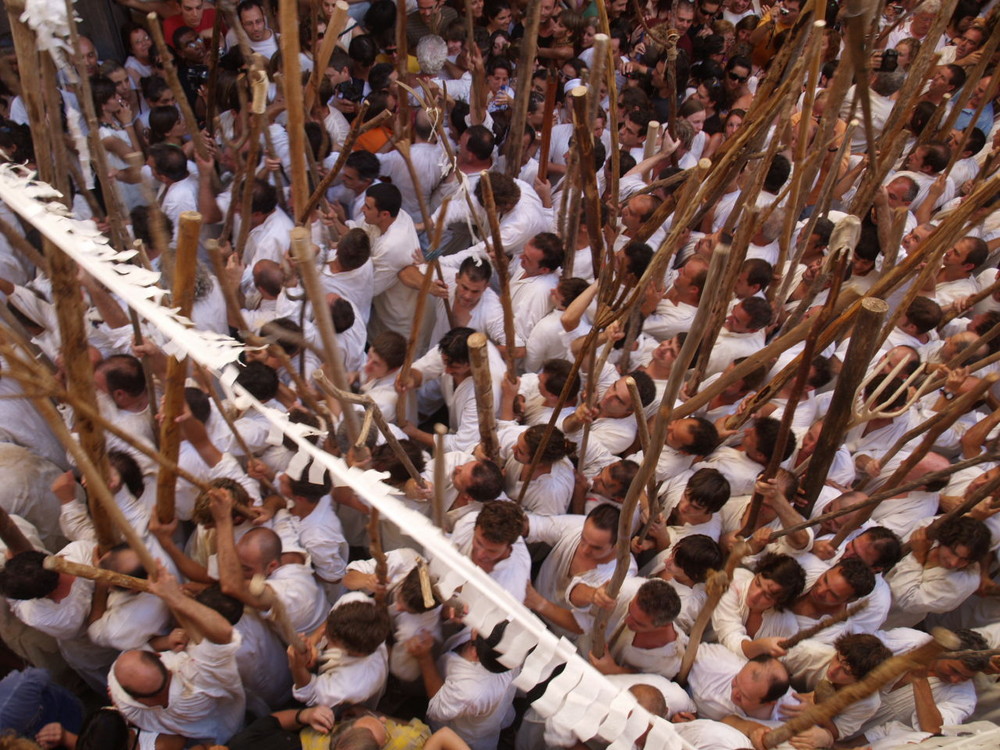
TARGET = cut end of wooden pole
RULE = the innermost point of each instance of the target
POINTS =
(477, 341)
(820, 24)
(190, 217)
(704, 164)
(947, 639)
(257, 584)
(578, 92)
(50, 562)
(440, 430)
(601, 39)
(875, 305)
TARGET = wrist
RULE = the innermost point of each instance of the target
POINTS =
(298, 716)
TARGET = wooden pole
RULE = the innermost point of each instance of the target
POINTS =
(519, 115)
(485, 406)
(716, 586)
(375, 548)
(185, 264)
(889, 670)
(859, 353)
(503, 273)
(584, 134)
(380, 421)
(278, 617)
(334, 28)
(550, 104)
(827, 622)
(12, 536)
(93, 573)
(294, 101)
(306, 263)
(439, 476)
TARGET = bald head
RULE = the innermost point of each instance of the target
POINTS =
(143, 676)
(260, 552)
(88, 52)
(268, 278)
(650, 698)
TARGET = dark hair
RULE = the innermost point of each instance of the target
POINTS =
(887, 544)
(361, 627)
(501, 521)
(777, 173)
(861, 653)
(557, 448)
(354, 249)
(480, 142)
(786, 572)
(366, 164)
(476, 269)
(605, 517)
(25, 577)
(391, 347)
(968, 532)
(659, 600)
(386, 198)
(552, 249)
(858, 575)
(759, 272)
(709, 489)
(104, 729)
(924, 313)
(486, 482)
(123, 372)
(645, 385)
(260, 380)
(284, 332)
(767, 429)
(101, 89)
(170, 161)
(342, 314)
(455, 345)
(704, 437)
(571, 288)
(202, 513)
(309, 490)
(971, 640)
(558, 371)
(363, 50)
(778, 685)
(140, 219)
(228, 606)
(506, 192)
(246, 5)
(696, 555)
(264, 198)
(759, 311)
(161, 121)
(411, 593)
(129, 471)
(486, 649)
(385, 459)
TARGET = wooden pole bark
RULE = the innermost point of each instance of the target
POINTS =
(439, 476)
(550, 103)
(185, 263)
(485, 406)
(827, 622)
(503, 274)
(12, 536)
(859, 353)
(334, 28)
(294, 101)
(92, 573)
(306, 264)
(525, 63)
(278, 617)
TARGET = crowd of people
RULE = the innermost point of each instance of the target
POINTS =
(270, 620)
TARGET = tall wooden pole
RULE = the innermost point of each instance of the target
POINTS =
(485, 405)
(185, 263)
(294, 102)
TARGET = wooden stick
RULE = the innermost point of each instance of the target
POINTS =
(595, 78)
(642, 425)
(882, 675)
(885, 493)
(980, 494)
(12, 536)
(503, 273)
(294, 102)
(610, 71)
(519, 115)
(651, 456)
(302, 252)
(375, 547)
(584, 133)
(439, 476)
(827, 622)
(970, 302)
(170, 71)
(185, 264)
(334, 28)
(93, 573)
(719, 301)
(716, 586)
(277, 616)
(550, 103)
(485, 407)
(380, 421)
(213, 75)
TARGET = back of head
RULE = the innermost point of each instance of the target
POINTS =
(104, 729)
(354, 249)
(260, 380)
(501, 521)
(696, 555)
(358, 627)
(24, 577)
(386, 197)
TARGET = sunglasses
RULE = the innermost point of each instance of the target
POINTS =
(734, 77)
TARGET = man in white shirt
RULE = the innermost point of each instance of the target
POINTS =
(195, 693)
(263, 41)
(180, 188)
(956, 278)
(742, 334)
(270, 234)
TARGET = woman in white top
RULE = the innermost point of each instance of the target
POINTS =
(118, 135)
(750, 619)
(139, 63)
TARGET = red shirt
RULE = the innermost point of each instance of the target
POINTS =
(173, 23)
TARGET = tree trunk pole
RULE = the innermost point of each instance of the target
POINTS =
(485, 406)
(92, 573)
(185, 263)
(294, 102)
(503, 274)
(859, 353)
